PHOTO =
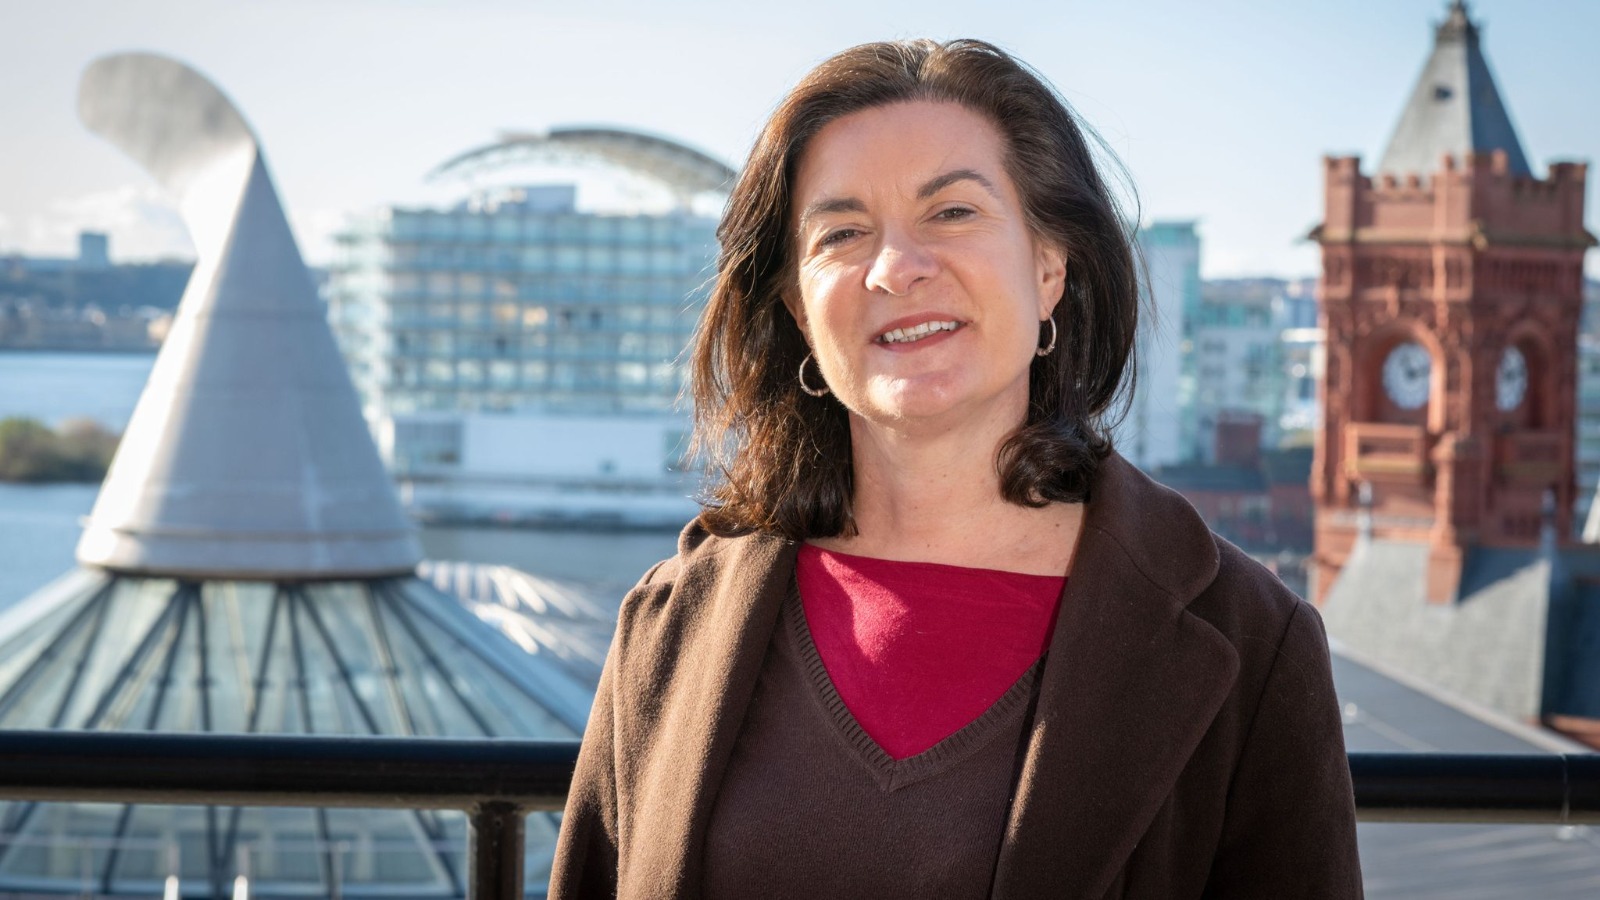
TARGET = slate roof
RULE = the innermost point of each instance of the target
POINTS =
(1388, 712)
(1488, 647)
(1455, 107)
(1523, 637)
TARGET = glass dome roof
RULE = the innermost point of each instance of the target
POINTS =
(393, 656)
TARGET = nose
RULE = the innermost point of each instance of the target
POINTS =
(900, 264)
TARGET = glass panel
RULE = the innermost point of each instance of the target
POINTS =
(350, 640)
(110, 685)
(504, 706)
(237, 625)
(176, 698)
(61, 841)
(19, 650)
(428, 701)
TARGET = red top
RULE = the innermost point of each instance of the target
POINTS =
(918, 650)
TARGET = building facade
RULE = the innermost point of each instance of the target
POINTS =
(1152, 434)
(1444, 473)
(519, 357)
(1452, 295)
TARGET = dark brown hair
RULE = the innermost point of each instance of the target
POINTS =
(781, 458)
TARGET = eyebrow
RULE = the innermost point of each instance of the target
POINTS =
(932, 186)
(830, 205)
(939, 182)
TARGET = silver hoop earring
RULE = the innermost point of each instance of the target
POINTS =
(815, 392)
(1048, 348)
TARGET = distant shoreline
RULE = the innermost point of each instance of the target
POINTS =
(96, 351)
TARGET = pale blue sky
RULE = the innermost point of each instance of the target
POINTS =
(1220, 110)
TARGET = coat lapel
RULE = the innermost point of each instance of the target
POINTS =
(1131, 685)
(716, 645)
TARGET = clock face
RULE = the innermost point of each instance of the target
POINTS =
(1511, 380)
(1406, 374)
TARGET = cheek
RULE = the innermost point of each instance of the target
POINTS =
(826, 309)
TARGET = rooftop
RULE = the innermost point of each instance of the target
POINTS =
(1455, 107)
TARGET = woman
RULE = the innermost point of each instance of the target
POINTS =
(931, 636)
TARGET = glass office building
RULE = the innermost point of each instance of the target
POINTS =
(518, 319)
(515, 300)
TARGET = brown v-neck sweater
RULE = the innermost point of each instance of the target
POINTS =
(811, 807)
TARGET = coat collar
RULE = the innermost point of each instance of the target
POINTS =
(1130, 686)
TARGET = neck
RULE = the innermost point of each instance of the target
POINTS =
(934, 496)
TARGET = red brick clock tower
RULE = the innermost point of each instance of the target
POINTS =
(1450, 296)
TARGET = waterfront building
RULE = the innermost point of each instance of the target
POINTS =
(517, 355)
(1587, 513)
(247, 568)
(1254, 348)
(1237, 359)
(1152, 434)
(1444, 471)
(85, 302)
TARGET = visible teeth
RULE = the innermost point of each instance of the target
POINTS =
(917, 332)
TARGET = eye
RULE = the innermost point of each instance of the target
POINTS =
(955, 213)
(837, 237)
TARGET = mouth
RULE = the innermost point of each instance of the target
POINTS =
(913, 333)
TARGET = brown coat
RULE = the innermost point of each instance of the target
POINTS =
(1187, 741)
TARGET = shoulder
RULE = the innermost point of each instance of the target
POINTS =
(677, 592)
(1245, 597)
(1171, 546)
(1278, 637)
(700, 554)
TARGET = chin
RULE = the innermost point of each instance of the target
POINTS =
(911, 402)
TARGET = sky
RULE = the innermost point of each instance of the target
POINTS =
(1220, 111)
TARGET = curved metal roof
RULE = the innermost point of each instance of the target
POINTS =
(678, 166)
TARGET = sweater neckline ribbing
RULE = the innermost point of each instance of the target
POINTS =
(889, 773)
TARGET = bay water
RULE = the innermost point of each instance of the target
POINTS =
(40, 524)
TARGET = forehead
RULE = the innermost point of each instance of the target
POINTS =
(897, 148)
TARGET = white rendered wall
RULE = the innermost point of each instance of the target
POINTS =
(544, 468)
(577, 447)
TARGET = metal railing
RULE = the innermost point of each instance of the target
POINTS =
(498, 782)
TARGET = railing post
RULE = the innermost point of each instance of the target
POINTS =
(495, 851)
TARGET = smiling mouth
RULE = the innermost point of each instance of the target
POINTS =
(916, 332)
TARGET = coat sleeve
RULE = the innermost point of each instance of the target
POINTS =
(586, 859)
(585, 864)
(1290, 826)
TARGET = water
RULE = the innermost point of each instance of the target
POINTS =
(38, 532)
(54, 387)
(39, 524)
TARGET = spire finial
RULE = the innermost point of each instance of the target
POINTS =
(1457, 22)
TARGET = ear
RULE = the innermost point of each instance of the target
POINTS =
(1050, 271)
(797, 310)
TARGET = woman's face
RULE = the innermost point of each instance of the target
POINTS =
(921, 287)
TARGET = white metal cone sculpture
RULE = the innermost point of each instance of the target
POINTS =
(247, 455)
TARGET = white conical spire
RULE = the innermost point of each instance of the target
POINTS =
(247, 455)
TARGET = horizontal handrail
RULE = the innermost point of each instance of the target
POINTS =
(1547, 788)
(284, 770)
(452, 773)
(498, 781)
